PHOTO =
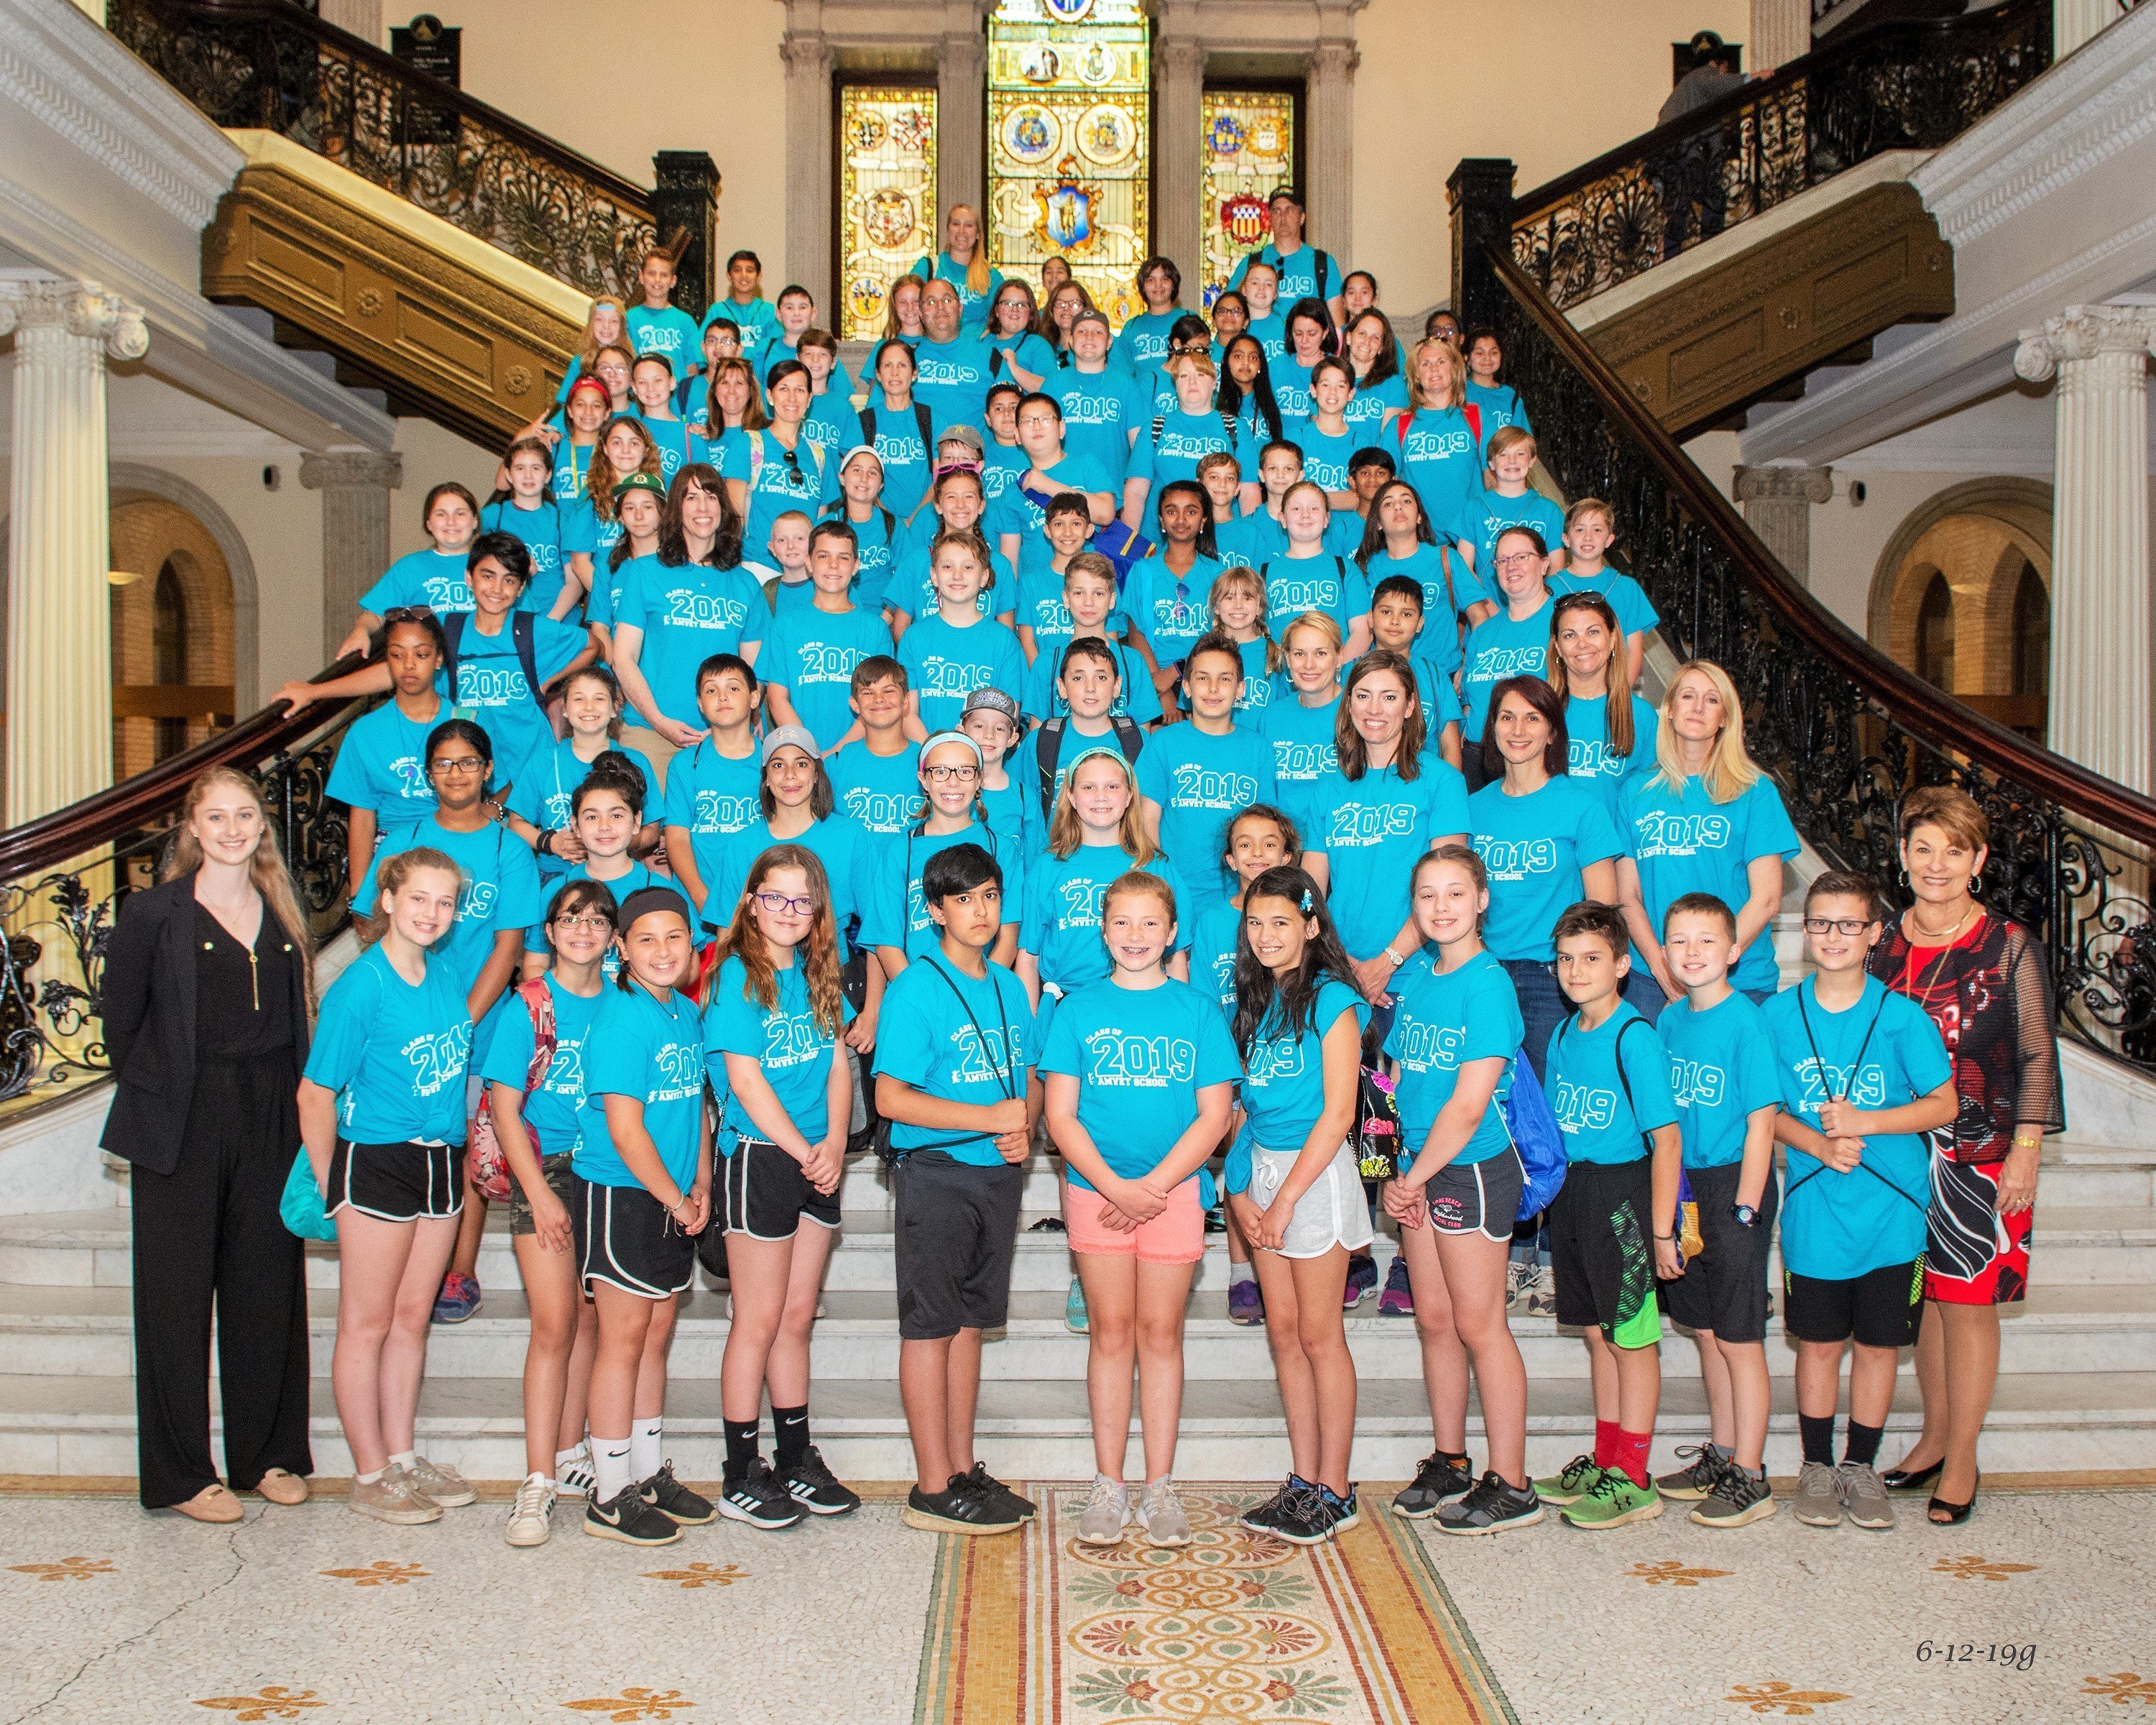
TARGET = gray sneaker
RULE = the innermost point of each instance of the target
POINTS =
(1542, 1292)
(1737, 1499)
(1106, 1513)
(1518, 1272)
(1818, 1495)
(1161, 1514)
(445, 1485)
(392, 1498)
(1865, 1495)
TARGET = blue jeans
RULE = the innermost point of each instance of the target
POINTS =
(1644, 994)
(1543, 1005)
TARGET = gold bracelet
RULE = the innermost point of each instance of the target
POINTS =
(2022, 1143)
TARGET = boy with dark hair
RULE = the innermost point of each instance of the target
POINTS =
(950, 1069)
(1864, 1076)
(712, 787)
(1609, 1083)
(810, 655)
(1727, 1093)
(874, 777)
(1396, 622)
(1088, 678)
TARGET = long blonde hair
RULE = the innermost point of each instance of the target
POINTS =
(265, 871)
(1240, 577)
(1730, 770)
(1417, 401)
(1617, 674)
(819, 954)
(389, 879)
(1066, 832)
(891, 332)
(977, 266)
(587, 349)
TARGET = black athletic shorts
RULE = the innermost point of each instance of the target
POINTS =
(956, 1231)
(1880, 1308)
(625, 1239)
(397, 1183)
(1478, 1197)
(765, 1194)
(1724, 1289)
(1602, 1251)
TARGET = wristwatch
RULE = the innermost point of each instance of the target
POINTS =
(1745, 1215)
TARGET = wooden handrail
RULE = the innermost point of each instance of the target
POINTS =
(1928, 712)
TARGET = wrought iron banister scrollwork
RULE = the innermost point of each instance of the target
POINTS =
(63, 878)
(270, 65)
(1844, 731)
(1896, 85)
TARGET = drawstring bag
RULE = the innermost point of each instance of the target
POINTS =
(1529, 1118)
(301, 1205)
(1376, 1135)
(1689, 1244)
(486, 1165)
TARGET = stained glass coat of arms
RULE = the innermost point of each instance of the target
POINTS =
(887, 196)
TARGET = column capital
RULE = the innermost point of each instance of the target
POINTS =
(2084, 332)
(344, 470)
(961, 53)
(1333, 61)
(77, 308)
(808, 51)
(1179, 57)
(1784, 485)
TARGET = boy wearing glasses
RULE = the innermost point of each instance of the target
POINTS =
(1864, 1075)
(1017, 516)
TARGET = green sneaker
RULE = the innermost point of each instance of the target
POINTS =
(1615, 1502)
(1574, 1483)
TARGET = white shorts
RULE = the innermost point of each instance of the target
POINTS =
(1333, 1212)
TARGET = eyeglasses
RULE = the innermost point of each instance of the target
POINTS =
(585, 924)
(1849, 925)
(1516, 560)
(779, 905)
(408, 614)
(944, 775)
(461, 764)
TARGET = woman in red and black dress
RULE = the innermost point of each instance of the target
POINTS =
(1981, 980)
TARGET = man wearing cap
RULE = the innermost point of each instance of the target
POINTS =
(954, 366)
(1306, 273)
(1712, 76)
(1103, 405)
(1688, 174)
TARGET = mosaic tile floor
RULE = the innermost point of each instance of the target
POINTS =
(2040, 1608)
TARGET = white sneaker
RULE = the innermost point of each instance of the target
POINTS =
(574, 1477)
(1518, 1272)
(1106, 1513)
(1542, 1292)
(530, 1516)
(1161, 1514)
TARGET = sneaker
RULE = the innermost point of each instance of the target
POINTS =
(675, 1500)
(1574, 1483)
(1818, 1495)
(1398, 1301)
(1518, 1273)
(982, 1480)
(458, 1298)
(626, 1516)
(1736, 1498)
(1304, 1516)
(1697, 1478)
(813, 1486)
(1361, 1279)
(445, 1486)
(1106, 1513)
(1161, 1513)
(1439, 1479)
(1245, 1304)
(1489, 1506)
(1216, 1220)
(1074, 1307)
(529, 1517)
(1864, 1495)
(958, 1508)
(574, 1477)
(392, 1498)
(1616, 1501)
(1542, 1292)
(1263, 1517)
(758, 1498)
(1345, 1512)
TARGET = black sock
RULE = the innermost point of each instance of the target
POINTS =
(1818, 1432)
(740, 1448)
(1864, 1443)
(1457, 1456)
(792, 1427)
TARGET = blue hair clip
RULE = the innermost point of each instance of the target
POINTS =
(1307, 905)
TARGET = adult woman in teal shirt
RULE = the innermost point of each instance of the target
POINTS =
(1514, 642)
(1612, 729)
(963, 263)
(1439, 447)
(691, 601)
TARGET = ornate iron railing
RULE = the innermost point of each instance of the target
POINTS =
(267, 64)
(1844, 731)
(63, 879)
(1895, 86)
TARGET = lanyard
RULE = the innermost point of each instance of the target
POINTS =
(1005, 1072)
(1856, 1067)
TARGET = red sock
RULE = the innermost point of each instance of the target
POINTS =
(1629, 1450)
(1608, 1435)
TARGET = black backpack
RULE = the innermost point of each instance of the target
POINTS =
(920, 417)
(521, 629)
(1050, 750)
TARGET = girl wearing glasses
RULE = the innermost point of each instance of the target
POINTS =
(1514, 643)
(894, 918)
(799, 808)
(772, 1036)
(606, 812)
(536, 1124)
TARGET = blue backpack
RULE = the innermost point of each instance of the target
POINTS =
(1529, 1118)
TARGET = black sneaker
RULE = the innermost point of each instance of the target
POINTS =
(816, 1488)
(1262, 1517)
(758, 1498)
(1697, 1478)
(1216, 1221)
(626, 1516)
(675, 1500)
(1304, 1518)
(1345, 1512)
(989, 1485)
(961, 1507)
(1489, 1506)
(1441, 1478)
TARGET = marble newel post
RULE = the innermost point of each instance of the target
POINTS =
(60, 630)
(2100, 707)
(355, 485)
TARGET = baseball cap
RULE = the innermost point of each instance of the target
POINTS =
(790, 735)
(992, 701)
(640, 482)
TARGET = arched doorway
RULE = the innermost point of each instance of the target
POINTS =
(172, 634)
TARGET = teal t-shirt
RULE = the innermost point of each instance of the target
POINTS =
(1634, 610)
(1326, 454)
(973, 303)
(1589, 1097)
(1173, 610)
(1141, 343)
(636, 881)
(1016, 511)
(669, 330)
(651, 1051)
(430, 578)
(1201, 783)
(837, 841)
(894, 913)
(395, 1053)
(501, 890)
(880, 792)
(1497, 648)
(1212, 944)
(553, 533)
(1141, 1056)
(953, 380)
(1370, 831)
(709, 796)
(543, 793)
(1062, 922)
(554, 1111)
(944, 663)
(1443, 1019)
(688, 612)
(1329, 582)
(1284, 1077)
(1443, 601)
(1533, 848)
(1102, 411)
(793, 1051)
(1600, 767)
(775, 484)
(810, 655)
(1486, 514)
(1305, 274)
(1184, 440)
(382, 765)
(491, 684)
(1499, 404)
(1439, 455)
(1722, 1067)
(946, 1034)
(1304, 748)
(1682, 842)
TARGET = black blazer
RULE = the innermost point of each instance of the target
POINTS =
(149, 1023)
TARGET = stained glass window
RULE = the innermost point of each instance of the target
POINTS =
(886, 195)
(1249, 149)
(1070, 121)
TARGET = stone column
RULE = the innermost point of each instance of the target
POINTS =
(355, 485)
(2100, 607)
(60, 626)
(2073, 22)
(1330, 153)
(1178, 152)
(1781, 32)
(962, 120)
(809, 61)
(1778, 504)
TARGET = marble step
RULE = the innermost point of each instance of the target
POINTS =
(2062, 1421)
(89, 1333)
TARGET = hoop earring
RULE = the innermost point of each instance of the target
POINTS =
(1976, 886)
(1902, 876)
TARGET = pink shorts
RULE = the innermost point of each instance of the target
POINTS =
(1177, 1235)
